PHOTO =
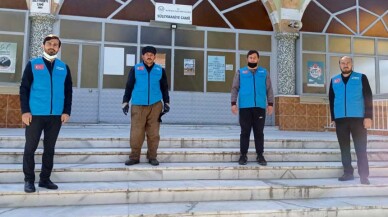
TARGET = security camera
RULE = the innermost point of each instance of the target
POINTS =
(295, 24)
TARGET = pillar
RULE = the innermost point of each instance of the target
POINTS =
(41, 25)
(286, 62)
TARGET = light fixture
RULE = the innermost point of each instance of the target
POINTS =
(174, 26)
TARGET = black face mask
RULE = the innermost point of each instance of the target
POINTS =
(252, 65)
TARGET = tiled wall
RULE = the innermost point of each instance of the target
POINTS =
(10, 116)
(291, 114)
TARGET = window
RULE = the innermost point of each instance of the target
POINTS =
(90, 63)
(364, 46)
(362, 49)
(382, 47)
(70, 55)
(120, 33)
(12, 21)
(73, 29)
(255, 42)
(383, 64)
(157, 36)
(339, 44)
(367, 66)
(189, 38)
(314, 42)
(221, 40)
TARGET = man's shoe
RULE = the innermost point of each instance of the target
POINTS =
(131, 162)
(261, 160)
(153, 162)
(243, 159)
(364, 181)
(29, 187)
(346, 177)
(48, 184)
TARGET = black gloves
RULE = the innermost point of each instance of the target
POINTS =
(125, 108)
(166, 108)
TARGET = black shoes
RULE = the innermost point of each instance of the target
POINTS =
(153, 162)
(131, 162)
(364, 181)
(346, 177)
(29, 187)
(48, 184)
(243, 159)
(261, 160)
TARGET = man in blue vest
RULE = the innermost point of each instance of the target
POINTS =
(351, 109)
(252, 86)
(45, 100)
(147, 85)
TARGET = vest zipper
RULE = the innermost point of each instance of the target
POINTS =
(51, 79)
(149, 86)
(345, 100)
(254, 88)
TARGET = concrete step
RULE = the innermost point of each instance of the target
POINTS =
(169, 155)
(322, 207)
(13, 173)
(93, 193)
(187, 142)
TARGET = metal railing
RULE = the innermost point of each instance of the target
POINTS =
(380, 114)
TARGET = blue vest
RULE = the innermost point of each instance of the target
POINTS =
(47, 94)
(253, 89)
(147, 86)
(348, 99)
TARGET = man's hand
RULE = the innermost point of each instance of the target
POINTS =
(367, 123)
(125, 107)
(269, 110)
(65, 118)
(166, 108)
(27, 118)
(234, 109)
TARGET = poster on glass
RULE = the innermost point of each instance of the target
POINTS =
(189, 67)
(216, 68)
(7, 57)
(315, 74)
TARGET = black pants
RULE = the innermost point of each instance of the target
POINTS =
(50, 125)
(252, 118)
(354, 126)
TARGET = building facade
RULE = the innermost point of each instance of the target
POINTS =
(300, 42)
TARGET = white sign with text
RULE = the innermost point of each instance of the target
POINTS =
(40, 6)
(173, 13)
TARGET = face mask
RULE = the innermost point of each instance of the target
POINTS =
(49, 57)
(252, 65)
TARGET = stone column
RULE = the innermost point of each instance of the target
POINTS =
(286, 62)
(41, 25)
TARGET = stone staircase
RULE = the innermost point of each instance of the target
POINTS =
(198, 176)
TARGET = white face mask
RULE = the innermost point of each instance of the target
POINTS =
(49, 57)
